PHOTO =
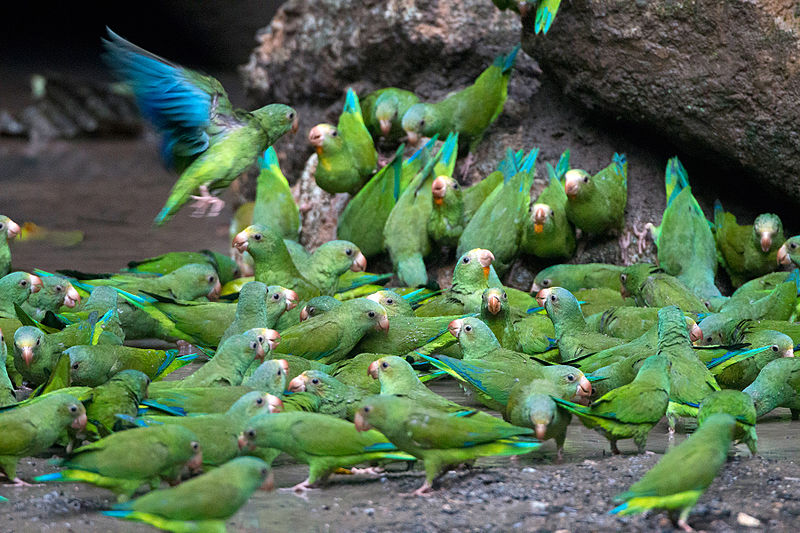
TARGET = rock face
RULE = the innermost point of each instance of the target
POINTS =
(717, 78)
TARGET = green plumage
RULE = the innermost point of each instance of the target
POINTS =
(740, 406)
(651, 287)
(8, 230)
(596, 204)
(383, 112)
(171, 261)
(777, 385)
(576, 277)
(531, 404)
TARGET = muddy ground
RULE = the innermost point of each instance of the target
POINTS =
(112, 188)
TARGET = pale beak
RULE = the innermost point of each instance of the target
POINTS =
(215, 291)
(485, 258)
(275, 404)
(316, 135)
(535, 287)
(572, 182)
(12, 229)
(455, 327)
(295, 124)
(361, 422)
(541, 296)
(539, 213)
(584, 389)
(298, 384)
(789, 352)
(359, 263)
(80, 422)
(695, 333)
(72, 298)
(783, 256)
(383, 323)
(541, 430)
(304, 313)
(413, 138)
(242, 441)
(386, 126)
(269, 483)
(766, 241)
(375, 297)
(195, 464)
(493, 304)
(439, 187)
(291, 299)
(284, 365)
(240, 242)
(372, 371)
(27, 355)
(36, 283)
(273, 339)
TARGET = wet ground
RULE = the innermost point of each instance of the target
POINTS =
(112, 189)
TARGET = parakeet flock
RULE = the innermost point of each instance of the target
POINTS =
(318, 358)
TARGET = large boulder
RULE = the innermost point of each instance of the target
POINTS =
(720, 79)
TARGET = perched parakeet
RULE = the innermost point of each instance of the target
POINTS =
(203, 503)
(205, 139)
(120, 395)
(547, 232)
(740, 406)
(383, 112)
(499, 222)
(739, 368)
(447, 217)
(470, 279)
(7, 396)
(652, 287)
(124, 461)
(468, 112)
(33, 427)
(346, 153)
(683, 474)
(439, 438)
(34, 355)
(788, 252)
(56, 292)
(15, 288)
(336, 398)
(274, 205)
(329, 337)
(91, 366)
(394, 303)
(496, 313)
(630, 411)
(576, 277)
(8, 230)
(747, 251)
(777, 385)
(254, 306)
(226, 268)
(531, 404)
(596, 204)
(325, 443)
(330, 261)
(318, 305)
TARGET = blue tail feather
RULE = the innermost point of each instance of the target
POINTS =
(619, 508)
(351, 104)
(449, 148)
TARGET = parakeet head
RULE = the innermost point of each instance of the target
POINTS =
(633, 276)
(441, 187)
(317, 383)
(277, 120)
(472, 334)
(420, 121)
(262, 341)
(788, 251)
(366, 313)
(195, 280)
(9, 227)
(540, 408)
(56, 291)
(393, 303)
(576, 183)
(134, 380)
(249, 405)
(280, 296)
(258, 241)
(472, 268)
(558, 302)
(324, 137)
(389, 368)
(386, 109)
(377, 409)
(69, 408)
(569, 379)
(270, 376)
(251, 470)
(766, 229)
(317, 306)
(227, 268)
(17, 286)
(715, 328)
(494, 300)
(28, 341)
(541, 214)
(336, 257)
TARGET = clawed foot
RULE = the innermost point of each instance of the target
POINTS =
(642, 237)
(467, 165)
(300, 488)
(684, 525)
(370, 471)
(425, 490)
(559, 456)
(624, 242)
(206, 204)
(17, 482)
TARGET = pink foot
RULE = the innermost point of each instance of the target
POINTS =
(467, 165)
(17, 482)
(370, 471)
(642, 236)
(205, 204)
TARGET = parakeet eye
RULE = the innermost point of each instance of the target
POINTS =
(259, 401)
(73, 408)
(251, 433)
(390, 301)
(348, 251)
(280, 371)
(195, 445)
(75, 366)
(23, 283)
(310, 310)
(211, 279)
(545, 283)
(2, 226)
(455, 185)
(264, 471)
(708, 339)
(366, 409)
(276, 296)
(505, 296)
(334, 133)
(315, 381)
(586, 179)
(59, 288)
(422, 122)
(371, 314)
(793, 245)
(385, 364)
(553, 298)
(290, 115)
(257, 236)
(260, 339)
(775, 348)
(570, 377)
(467, 328)
(38, 341)
(623, 278)
(465, 260)
(253, 345)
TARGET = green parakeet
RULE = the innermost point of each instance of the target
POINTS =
(120, 395)
(91, 366)
(740, 406)
(325, 443)
(763, 346)
(205, 139)
(56, 292)
(15, 288)
(499, 222)
(383, 112)
(470, 279)
(439, 438)
(346, 153)
(34, 355)
(747, 251)
(318, 305)
(8, 230)
(496, 313)
(547, 232)
(447, 217)
(272, 262)
(394, 303)
(226, 268)
(203, 503)
(254, 306)
(330, 337)
(596, 204)
(576, 277)
(7, 396)
(336, 398)
(274, 205)
(630, 411)
(683, 474)
(330, 261)
(33, 427)
(531, 404)
(788, 252)
(651, 287)
(124, 461)
(468, 112)
(777, 385)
